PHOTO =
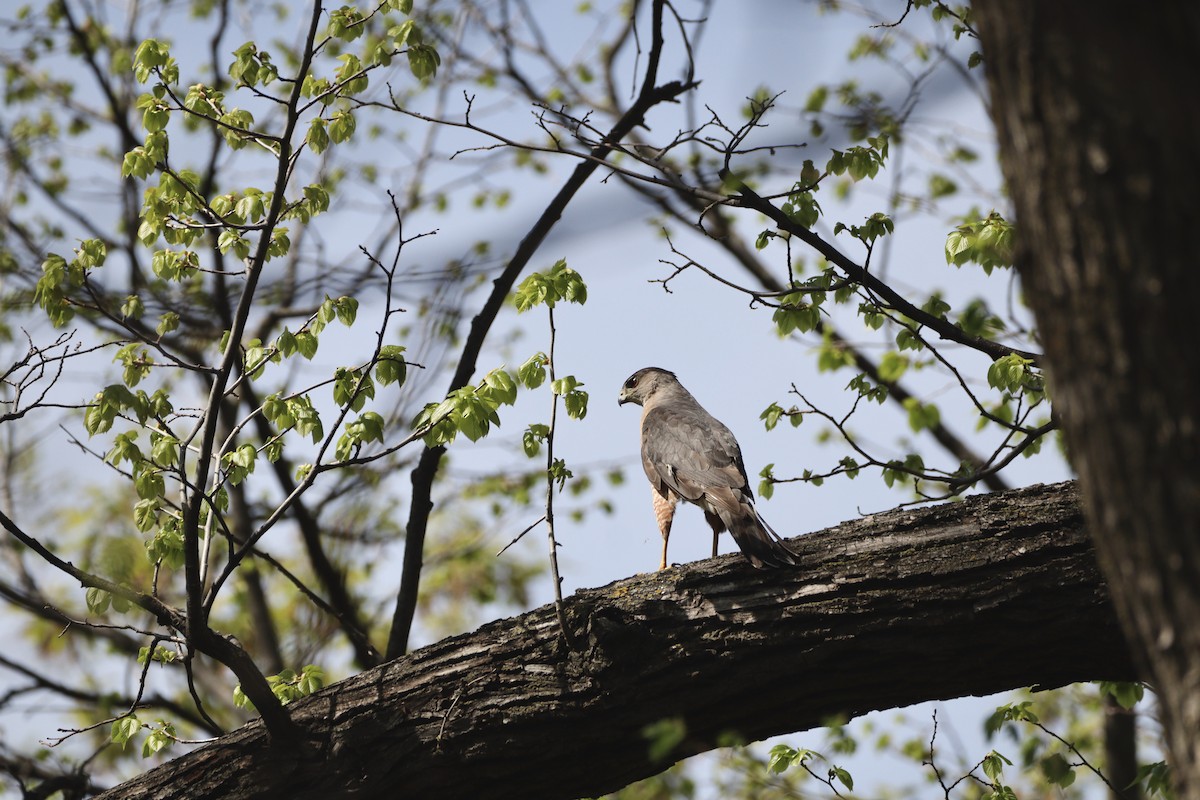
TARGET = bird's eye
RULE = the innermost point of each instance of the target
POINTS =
(632, 382)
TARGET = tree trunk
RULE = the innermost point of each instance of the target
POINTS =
(980, 596)
(1098, 127)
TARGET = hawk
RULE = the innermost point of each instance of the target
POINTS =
(689, 455)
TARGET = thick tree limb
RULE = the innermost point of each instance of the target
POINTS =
(992, 593)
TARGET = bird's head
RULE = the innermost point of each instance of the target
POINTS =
(641, 385)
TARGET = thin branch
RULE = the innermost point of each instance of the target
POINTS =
(893, 299)
(559, 610)
(423, 475)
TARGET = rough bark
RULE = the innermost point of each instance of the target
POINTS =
(1097, 123)
(988, 594)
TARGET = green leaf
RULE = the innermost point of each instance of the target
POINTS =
(664, 736)
(809, 174)
(816, 99)
(346, 23)
(306, 344)
(232, 123)
(230, 239)
(240, 463)
(423, 60)
(391, 368)
(124, 729)
(341, 126)
(501, 386)
(137, 164)
(941, 186)
(1157, 778)
(532, 438)
(781, 757)
(907, 340)
(326, 313)
(245, 456)
(159, 739)
(576, 403)
(892, 366)
(352, 388)
(124, 448)
(1126, 694)
(285, 345)
(801, 207)
(766, 487)
(353, 79)
(795, 314)
(400, 33)
(1009, 372)
(993, 765)
(251, 207)
(166, 546)
(149, 484)
(533, 372)
(149, 56)
(161, 654)
(771, 416)
(289, 686)
(280, 243)
(921, 416)
(132, 308)
(97, 600)
(317, 137)
(842, 775)
(849, 466)
(558, 283)
(1057, 770)
(305, 418)
(372, 427)
(312, 679)
(145, 514)
(317, 197)
(563, 386)
(240, 700)
(987, 242)
(346, 309)
(167, 323)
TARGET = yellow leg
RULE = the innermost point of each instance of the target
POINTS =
(664, 514)
(715, 523)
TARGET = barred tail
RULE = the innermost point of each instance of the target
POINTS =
(760, 544)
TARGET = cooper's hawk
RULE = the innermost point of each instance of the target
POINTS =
(689, 455)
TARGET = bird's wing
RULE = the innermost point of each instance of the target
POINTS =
(689, 452)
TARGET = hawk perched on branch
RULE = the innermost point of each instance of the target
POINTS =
(689, 455)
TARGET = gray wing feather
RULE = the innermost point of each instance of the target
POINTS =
(688, 451)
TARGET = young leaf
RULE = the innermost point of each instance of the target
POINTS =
(124, 729)
(390, 367)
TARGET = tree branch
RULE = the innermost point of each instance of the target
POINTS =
(889, 610)
(748, 198)
(719, 228)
